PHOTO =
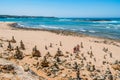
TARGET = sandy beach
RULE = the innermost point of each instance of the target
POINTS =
(57, 56)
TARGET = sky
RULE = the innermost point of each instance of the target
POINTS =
(61, 8)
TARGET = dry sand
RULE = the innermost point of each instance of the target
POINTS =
(41, 39)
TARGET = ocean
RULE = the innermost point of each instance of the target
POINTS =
(100, 27)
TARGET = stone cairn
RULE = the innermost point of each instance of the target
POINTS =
(109, 75)
(1, 45)
(54, 69)
(26, 67)
(9, 47)
(45, 63)
(13, 40)
(51, 45)
(22, 46)
(46, 48)
(105, 50)
(18, 54)
(110, 55)
(58, 59)
(60, 43)
(35, 52)
(81, 45)
(59, 53)
(90, 67)
(75, 66)
(91, 54)
(56, 65)
(48, 55)
(78, 75)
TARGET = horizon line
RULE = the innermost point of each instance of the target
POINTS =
(51, 16)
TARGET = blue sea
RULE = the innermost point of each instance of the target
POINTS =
(100, 27)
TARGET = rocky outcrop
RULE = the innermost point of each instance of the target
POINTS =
(12, 71)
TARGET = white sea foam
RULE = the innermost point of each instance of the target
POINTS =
(91, 31)
(83, 30)
(73, 29)
(64, 19)
(105, 21)
(23, 26)
(20, 25)
(118, 25)
(108, 27)
(10, 18)
(112, 22)
(51, 27)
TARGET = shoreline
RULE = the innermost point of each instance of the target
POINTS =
(15, 25)
(56, 56)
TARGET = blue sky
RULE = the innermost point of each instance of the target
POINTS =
(61, 8)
